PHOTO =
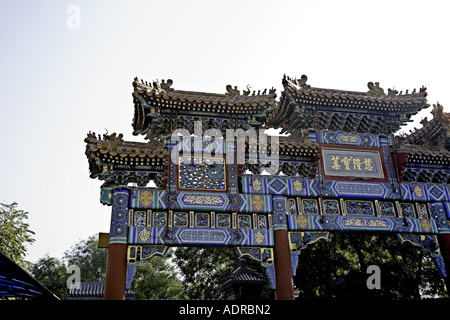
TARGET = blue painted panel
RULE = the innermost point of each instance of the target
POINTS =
(200, 236)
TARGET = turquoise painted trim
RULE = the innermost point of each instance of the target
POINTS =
(117, 240)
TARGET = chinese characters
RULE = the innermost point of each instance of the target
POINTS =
(357, 163)
(352, 163)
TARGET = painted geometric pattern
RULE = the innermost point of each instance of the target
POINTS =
(136, 253)
(387, 209)
(447, 209)
(199, 200)
(255, 203)
(357, 188)
(358, 207)
(290, 186)
(119, 217)
(426, 192)
(353, 139)
(439, 212)
(199, 236)
(157, 199)
(307, 187)
(349, 223)
(279, 213)
(146, 198)
(331, 206)
(274, 185)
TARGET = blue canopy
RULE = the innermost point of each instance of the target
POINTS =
(15, 282)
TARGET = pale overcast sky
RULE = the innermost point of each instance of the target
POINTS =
(60, 77)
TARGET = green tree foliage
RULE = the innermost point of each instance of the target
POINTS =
(203, 268)
(157, 279)
(51, 272)
(14, 232)
(154, 279)
(406, 271)
(86, 255)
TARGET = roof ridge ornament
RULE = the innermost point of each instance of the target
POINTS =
(375, 90)
(112, 137)
(296, 82)
(156, 85)
(440, 116)
(302, 81)
(166, 85)
(392, 92)
(234, 92)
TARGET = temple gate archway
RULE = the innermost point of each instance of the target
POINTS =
(341, 169)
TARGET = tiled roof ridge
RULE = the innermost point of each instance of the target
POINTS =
(116, 146)
(245, 274)
(375, 91)
(233, 95)
(92, 289)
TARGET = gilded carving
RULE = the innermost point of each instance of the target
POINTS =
(257, 203)
(371, 223)
(256, 184)
(211, 200)
(302, 221)
(259, 237)
(426, 225)
(418, 191)
(298, 185)
(144, 235)
(146, 198)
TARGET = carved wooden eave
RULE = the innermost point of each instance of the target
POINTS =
(291, 146)
(125, 150)
(418, 163)
(297, 157)
(302, 106)
(115, 161)
(433, 132)
(156, 102)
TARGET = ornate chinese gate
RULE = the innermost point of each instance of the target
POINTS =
(340, 169)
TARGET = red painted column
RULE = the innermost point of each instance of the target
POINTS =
(444, 245)
(116, 272)
(116, 264)
(283, 269)
(281, 251)
(441, 213)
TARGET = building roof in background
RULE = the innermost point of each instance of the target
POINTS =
(92, 291)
